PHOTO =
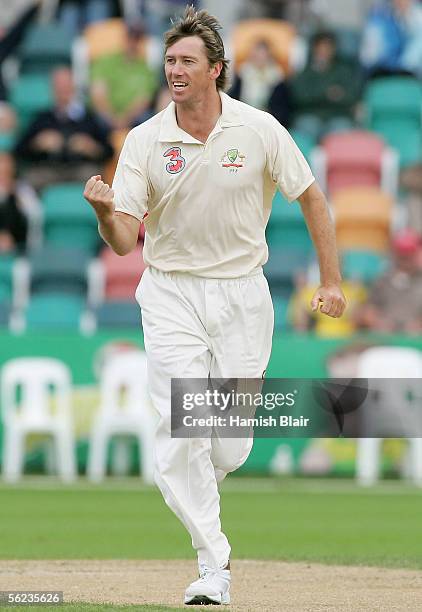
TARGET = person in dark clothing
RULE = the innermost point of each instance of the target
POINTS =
(67, 142)
(279, 105)
(13, 222)
(260, 83)
(12, 38)
(325, 94)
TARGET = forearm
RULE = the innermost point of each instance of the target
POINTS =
(119, 230)
(113, 230)
(321, 229)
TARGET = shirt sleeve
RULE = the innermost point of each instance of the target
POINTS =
(130, 184)
(286, 164)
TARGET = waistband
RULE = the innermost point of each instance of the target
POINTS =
(257, 272)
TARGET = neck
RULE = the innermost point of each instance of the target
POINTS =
(199, 118)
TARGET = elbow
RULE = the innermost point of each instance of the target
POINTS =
(122, 251)
(124, 248)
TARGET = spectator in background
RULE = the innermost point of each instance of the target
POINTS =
(304, 320)
(76, 14)
(392, 38)
(10, 40)
(67, 142)
(123, 84)
(260, 83)
(395, 302)
(325, 94)
(13, 221)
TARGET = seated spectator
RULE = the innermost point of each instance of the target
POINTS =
(76, 14)
(325, 94)
(392, 38)
(123, 84)
(257, 78)
(67, 142)
(10, 39)
(303, 319)
(13, 221)
(395, 301)
(11, 36)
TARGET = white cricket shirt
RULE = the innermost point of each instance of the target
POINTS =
(206, 205)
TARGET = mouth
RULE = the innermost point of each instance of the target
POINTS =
(179, 85)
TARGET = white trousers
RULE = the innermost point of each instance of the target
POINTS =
(196, 327)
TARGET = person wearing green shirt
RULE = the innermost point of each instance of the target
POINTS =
(123, 84)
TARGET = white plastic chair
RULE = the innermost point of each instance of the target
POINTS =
(125, 410)
(44, 386)
(391, 363)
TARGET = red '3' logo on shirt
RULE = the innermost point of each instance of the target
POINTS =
(177, 162)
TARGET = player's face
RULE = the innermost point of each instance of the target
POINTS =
(188, 73)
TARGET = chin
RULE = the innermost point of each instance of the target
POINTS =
(180, 98)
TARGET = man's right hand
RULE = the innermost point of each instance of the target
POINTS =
(100, 196)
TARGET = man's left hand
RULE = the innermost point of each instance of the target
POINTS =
(332, 300)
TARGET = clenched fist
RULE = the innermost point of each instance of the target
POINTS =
(100, 196)
(329, 300)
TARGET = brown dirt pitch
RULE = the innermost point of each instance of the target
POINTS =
(266, 586)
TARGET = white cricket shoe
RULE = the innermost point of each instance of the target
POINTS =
(211, 588)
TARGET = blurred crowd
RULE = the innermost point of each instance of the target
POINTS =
(76, 76)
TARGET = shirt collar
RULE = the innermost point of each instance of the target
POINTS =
(171, 132)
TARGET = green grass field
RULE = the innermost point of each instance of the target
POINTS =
(331, 522)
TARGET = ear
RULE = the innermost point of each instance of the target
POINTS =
(215, 71)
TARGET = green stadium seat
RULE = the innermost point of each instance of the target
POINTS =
(29, 95)
(281, 306)
(304, 141)
(118, 314)
(7, 141)
(284, 264)
(5, 310)
(363, 266)
(394, 106)
(44, 47)
(69, 221)
(287, 227)
(59, 270)
(6, 277)
(54, 311)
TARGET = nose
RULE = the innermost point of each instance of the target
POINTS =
(177, 69)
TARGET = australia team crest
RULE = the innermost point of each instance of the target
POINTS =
(233, 159)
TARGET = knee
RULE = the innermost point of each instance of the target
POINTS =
(230, 459)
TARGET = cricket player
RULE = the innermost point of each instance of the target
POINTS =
(201, 176)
